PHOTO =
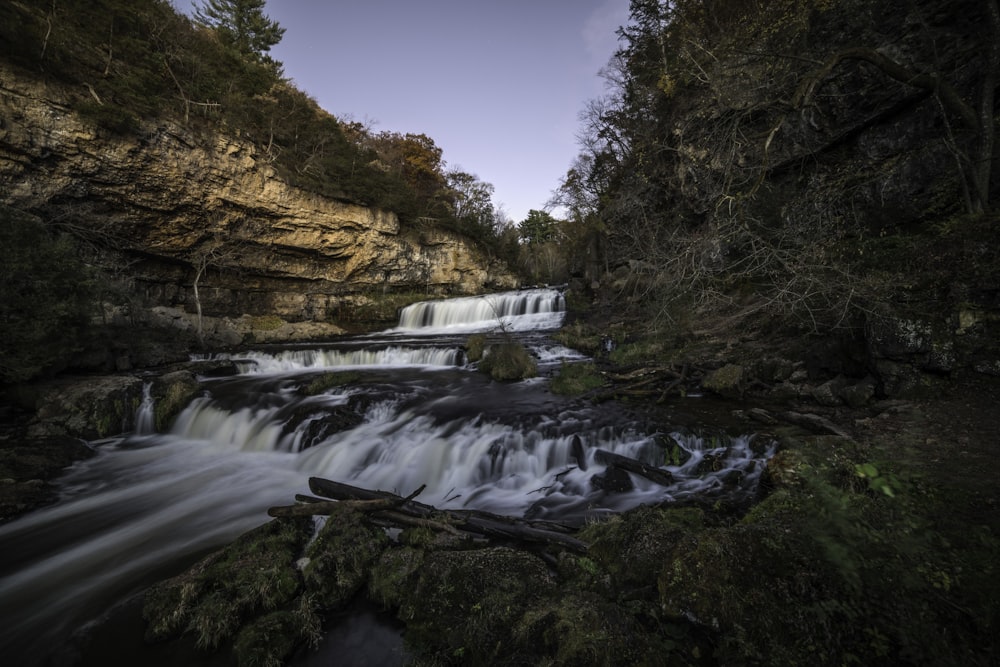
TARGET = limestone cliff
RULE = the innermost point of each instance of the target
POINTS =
(168, 201)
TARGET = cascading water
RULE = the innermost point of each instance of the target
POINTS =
(413, 414)
(514, 311)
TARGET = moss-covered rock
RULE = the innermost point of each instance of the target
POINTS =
(270, 640)
(727, 381)
(394, 574)
(326, 381)
(583, 629)
(753, 585)
(576, 379)
(212, 601)
(95, 408)
(509, 361)
(465, 604)
(633, 547)
(341, 557)
(172, 393)
(475, 347)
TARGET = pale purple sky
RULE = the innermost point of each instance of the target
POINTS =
(497, 84)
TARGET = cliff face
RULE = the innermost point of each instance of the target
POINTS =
(168, 202)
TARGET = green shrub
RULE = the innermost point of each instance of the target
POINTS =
(508, 361)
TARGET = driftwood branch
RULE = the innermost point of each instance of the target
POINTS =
(385, 508)
(316, 507)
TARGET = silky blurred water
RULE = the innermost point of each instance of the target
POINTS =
(415, 414)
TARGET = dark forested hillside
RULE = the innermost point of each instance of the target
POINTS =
(797, 162)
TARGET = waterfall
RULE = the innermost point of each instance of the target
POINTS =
(517, 311)
(299, 360)
(415, 414)
(145, 416)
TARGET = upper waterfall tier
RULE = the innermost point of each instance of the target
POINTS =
(522, 310)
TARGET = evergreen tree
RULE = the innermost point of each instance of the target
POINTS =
(241, 24)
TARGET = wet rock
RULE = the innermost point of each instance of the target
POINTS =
(774, 369)
(784, 391)
(905, 350)
(612, 480)
(762, 416)
(27, 465)
(172, 392)
(89, 408)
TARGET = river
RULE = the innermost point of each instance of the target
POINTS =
(415, 412)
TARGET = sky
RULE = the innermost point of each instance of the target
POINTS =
(497, 84)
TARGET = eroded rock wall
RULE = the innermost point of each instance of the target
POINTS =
(170, 200)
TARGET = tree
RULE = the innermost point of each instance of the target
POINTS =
(241, 24)
(473, 202)
(538, 227)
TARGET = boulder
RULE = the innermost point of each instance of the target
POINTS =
(727, 381)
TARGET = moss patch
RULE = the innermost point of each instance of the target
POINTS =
(465, 603)
(341, 557)
(266, 323)
(327, 381)
(576, 379)
(211, 601)
(475, 347)
(509, 361)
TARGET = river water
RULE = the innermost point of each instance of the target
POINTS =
(414, 413)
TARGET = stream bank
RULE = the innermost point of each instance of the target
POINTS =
(874, 536)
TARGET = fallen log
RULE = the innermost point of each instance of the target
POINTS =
(477, 522)
(317, 506)
(655, 475)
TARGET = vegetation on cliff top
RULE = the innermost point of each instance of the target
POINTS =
(129, 61)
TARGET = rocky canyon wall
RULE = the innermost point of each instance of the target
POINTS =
(158, 205)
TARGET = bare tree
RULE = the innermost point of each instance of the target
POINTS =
(217, 252)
